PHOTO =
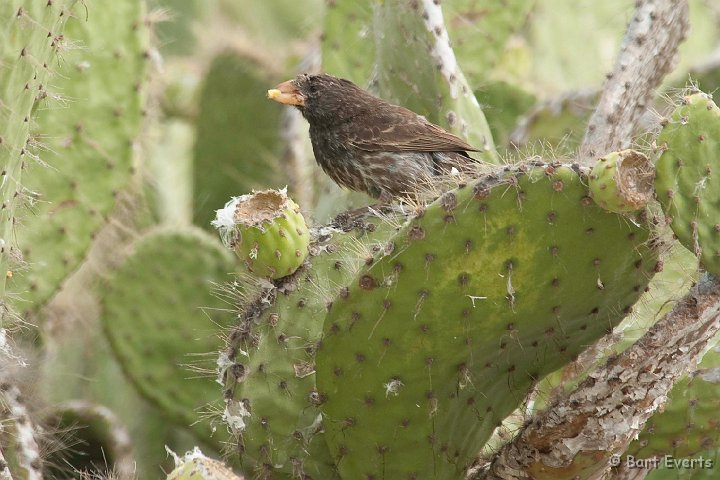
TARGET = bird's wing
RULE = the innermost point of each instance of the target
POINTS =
(400, 130)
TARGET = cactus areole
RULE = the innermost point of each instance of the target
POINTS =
(267, 231)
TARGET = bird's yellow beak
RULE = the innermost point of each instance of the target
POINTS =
(286, 93)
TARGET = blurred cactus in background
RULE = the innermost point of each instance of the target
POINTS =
(558, 302)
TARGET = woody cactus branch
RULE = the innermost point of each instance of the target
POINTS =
(576, 437)
(647, 54)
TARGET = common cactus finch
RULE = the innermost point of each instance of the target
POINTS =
(367, 144)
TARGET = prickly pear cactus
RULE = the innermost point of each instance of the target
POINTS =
(267, 231)
(273, 406)
(687, 177)
(31, 36)
(622, 182)
(88, 124)
(161, 317)
(492, 287)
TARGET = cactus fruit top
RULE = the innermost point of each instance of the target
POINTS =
(196, 466)
(622, 182)
(686, 183)
(367, 144)
(267, 231)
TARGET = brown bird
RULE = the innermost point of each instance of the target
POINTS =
(367, 144)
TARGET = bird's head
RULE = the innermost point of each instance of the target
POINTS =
(319, 97)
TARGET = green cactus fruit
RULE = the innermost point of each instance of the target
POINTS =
(689, 423)
(267, 231)
(492, 287)
(269, 368)
(161, 317)
(688, 169)
(100, 442)
(237, 142)
(196, 466)
(622, 182)
(429, 82)
(31, 36)
(88, 126)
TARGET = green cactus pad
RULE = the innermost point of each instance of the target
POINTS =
(237, 135)
(269, 369)
(492, 287)
(89, 140)
(688, 175)
(163, 319)
(267, 231)
(31, 36)
(622, 182)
